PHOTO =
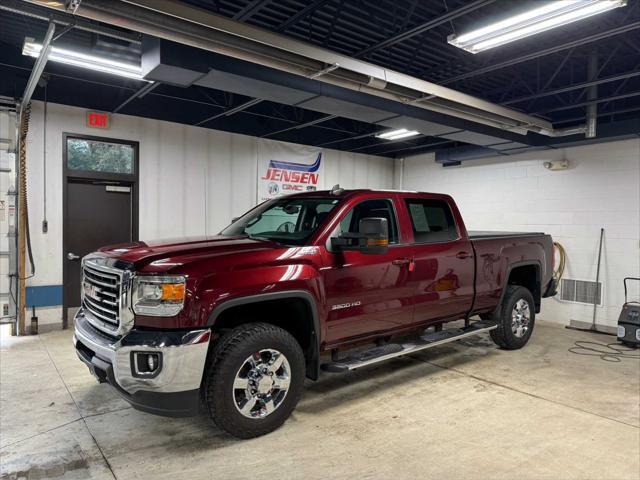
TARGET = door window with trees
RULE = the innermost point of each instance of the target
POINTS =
(99, 156)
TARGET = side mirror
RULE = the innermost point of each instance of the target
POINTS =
(372, 238)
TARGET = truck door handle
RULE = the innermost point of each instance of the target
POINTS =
(463, 255)
(72, 256)
(400, 262)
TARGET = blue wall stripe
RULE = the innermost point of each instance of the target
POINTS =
(44, 296)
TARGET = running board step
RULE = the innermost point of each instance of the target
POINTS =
(392, 350)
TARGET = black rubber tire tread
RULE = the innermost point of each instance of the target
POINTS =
(503, 335)
(226, 358)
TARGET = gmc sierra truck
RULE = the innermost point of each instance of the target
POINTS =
(335, 280)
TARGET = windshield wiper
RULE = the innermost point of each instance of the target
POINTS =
(257, 237)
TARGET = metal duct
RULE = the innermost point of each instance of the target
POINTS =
(202, 29)
(471, 152)
(460, 154)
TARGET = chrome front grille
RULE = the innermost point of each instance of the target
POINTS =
(102, 295)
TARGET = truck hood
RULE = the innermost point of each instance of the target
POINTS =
(163, 255)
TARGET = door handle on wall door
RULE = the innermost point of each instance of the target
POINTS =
(72, 256)
(463, 255)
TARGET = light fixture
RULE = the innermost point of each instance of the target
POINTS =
(397, 134)
(551, 15)
(83, 60)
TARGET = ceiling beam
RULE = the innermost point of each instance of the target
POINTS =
(65, 20)
(434, 22)
(593, 102)
(601, 114)
(231, 111)
(251, 9)
(302, 125)
(575, 86)
(301, 15)
(137, 94)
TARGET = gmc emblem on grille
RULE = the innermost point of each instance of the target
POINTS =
(91, 291)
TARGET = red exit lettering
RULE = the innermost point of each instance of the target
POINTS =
(97, 120)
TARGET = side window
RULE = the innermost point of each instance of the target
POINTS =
(432, 221)
(371, 208)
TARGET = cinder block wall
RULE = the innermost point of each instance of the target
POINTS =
(601, 188)
(192, 180)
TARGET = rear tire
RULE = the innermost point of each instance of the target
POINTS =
(254, 379)
(515, 318)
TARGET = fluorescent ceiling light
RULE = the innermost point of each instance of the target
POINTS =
(541, 19)
(397, 134)
(78, 59)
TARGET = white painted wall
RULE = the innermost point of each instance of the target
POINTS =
(192, 180)
(600, 189)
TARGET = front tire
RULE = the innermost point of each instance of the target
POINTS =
(515, 318)
(254, 380)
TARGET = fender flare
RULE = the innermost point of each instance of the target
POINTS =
(313, 366)
(523, 263)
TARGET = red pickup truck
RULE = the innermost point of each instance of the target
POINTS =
(334, 280)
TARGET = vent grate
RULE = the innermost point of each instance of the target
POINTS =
(581, 291)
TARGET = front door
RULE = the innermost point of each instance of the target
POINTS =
(368, 294)
(100, 204)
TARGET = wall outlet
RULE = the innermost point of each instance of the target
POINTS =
(45, 226)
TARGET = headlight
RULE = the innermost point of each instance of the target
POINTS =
(158, 296)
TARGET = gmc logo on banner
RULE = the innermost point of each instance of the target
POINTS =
(98, 120)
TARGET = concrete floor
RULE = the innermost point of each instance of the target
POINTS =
(461, 411)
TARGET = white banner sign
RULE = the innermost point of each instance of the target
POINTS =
(285, 168)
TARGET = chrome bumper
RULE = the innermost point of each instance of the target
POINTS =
(183, 357)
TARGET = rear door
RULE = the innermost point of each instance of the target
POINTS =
(443, 258)
(368, 294)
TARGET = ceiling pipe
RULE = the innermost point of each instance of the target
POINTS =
(202, 29)
(38, 67)
(592, 95)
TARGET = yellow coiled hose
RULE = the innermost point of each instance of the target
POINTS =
(23, 206)
(562, 254)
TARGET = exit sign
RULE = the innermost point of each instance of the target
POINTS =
(98, 120)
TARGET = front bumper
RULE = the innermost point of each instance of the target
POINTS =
(174, 390)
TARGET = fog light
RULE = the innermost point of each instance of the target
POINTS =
(146, 364)
(621, 331)
(638, 334)
(152, 362)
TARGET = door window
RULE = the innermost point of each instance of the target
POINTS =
(432, 221)
(371, 208)
(99, 156)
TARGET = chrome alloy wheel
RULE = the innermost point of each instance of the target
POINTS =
(261, 384)
(520, 318)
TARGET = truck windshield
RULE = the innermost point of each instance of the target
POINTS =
(289, 221)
